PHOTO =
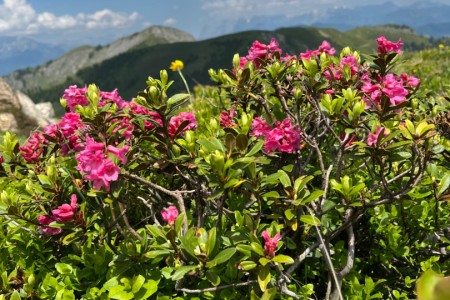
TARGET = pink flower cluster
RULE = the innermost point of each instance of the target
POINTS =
(259, 51)
(113, 96)
(335, 72)
(325, 47)
(170, 214)
(64, 213)
(284, 137)
(271, 244)
(75, 96)
(372, 138)
(96, 166)
(175, 122)
(391, 86)
(385, 46)
(226, 119)
(33, 148)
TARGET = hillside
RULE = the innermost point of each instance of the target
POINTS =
(59, 70)
(128, 70)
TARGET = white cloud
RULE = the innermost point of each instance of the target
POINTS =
(169, 21)
(18, 17)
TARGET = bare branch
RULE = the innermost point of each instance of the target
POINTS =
(217, 288)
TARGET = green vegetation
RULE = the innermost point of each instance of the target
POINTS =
(324, 177)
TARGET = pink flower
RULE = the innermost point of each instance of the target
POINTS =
(385, 46)
(44, 221)
(104, 174)
(66, 212)
(259, 51)
(137, 109)
(33, 148)
(271, 244)
(226, 120)
(284, 137)
(394, 89)
(176, 121)
(96, 166)
(170, 214)
(75, 96)
(1, 159)
(372, 138)
(410, 80)
(113, 96)
(259, 127)
(325, 47)
(119, 152)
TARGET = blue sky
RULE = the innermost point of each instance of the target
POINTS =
(101, 21)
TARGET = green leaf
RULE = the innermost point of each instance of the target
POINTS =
(213, 277)
(284, 178)
(211, 243)
(242, 141)
(137, 283)
(15, 296)
(155, 231)
(222, 257)
(247, 265)
(63, 269)
(264, 277)
(313, 196)
(257, 248)
(148, 289)
(269, 294)
(157, 253)
(179, 222)
(314, 221)
(118, 292)
(264, 261)
(258, 145)
(443, 184)
(180, 272)
(283, 259)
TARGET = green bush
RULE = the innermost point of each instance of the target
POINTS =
(321, 176)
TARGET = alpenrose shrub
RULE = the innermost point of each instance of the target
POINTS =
(312, 176)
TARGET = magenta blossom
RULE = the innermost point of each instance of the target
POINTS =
(170, 214)
(65, 213)
(44, 221)
(385, 46)
(259, 51)
(176, 121)
(410, 80)
(271, 244)
(1, 159)
(284, 137)
(33, 148)
(325, 47)
(119, 152)
(373, 138)
(226, 120)
(75, 96)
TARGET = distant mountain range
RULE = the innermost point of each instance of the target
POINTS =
(425, 17)
(19, 52)
(125, 64)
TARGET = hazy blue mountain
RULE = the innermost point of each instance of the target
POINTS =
(428, 18)
(19, 52)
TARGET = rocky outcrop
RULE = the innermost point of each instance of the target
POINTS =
(19, 114)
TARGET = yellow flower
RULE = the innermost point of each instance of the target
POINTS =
(441, 46)
(176, 65)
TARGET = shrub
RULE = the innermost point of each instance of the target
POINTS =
(319, 176)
